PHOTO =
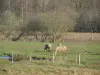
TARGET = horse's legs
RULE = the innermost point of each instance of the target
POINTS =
(55, 52)
(45, 50)
(48, 49)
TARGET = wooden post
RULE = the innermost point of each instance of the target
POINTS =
(92, 38)
(79, 59)
(12, 58)
(76, 59)
(30, 57)
(53, 58)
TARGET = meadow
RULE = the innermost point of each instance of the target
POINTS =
(64, 64)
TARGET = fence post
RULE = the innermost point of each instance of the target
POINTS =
(53, 58)
(76, 58)
(12, 58)
(92, 38)
(79, 59)
(30, 57)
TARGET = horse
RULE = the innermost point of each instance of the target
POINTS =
(47, 47)
(61, 48)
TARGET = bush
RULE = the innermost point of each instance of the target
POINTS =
(17, 57)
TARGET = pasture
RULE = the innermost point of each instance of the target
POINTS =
(90, 59)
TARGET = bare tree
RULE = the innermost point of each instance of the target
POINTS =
(59, 22)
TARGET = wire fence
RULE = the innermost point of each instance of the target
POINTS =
(74, 59)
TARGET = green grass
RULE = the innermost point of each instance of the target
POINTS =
(88, 60)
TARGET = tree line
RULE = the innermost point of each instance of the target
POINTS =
(48, 19)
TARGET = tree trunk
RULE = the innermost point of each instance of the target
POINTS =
(15, 39)
(36, 36)
(43, 37)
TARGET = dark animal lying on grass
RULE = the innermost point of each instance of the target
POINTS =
(47, 47)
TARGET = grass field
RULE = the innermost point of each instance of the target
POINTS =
(65, 65)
